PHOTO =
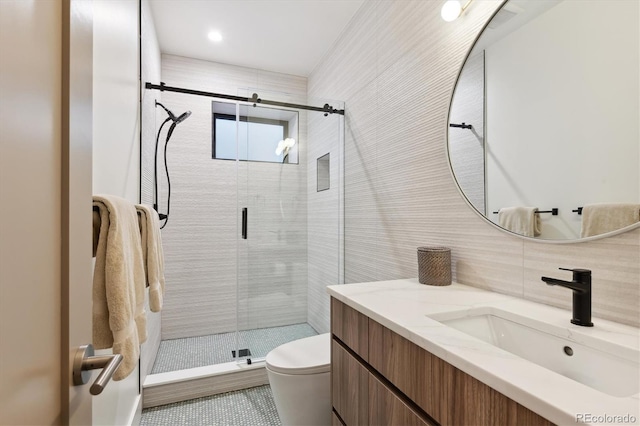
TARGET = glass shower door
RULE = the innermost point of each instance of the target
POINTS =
(278, 181)
(272, 269)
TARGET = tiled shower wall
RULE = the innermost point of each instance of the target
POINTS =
(206, 281)
(396, 67)
(326, 136)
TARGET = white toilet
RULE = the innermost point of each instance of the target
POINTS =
(300, 379)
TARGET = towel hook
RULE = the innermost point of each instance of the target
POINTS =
(461, 126)
(553, 211)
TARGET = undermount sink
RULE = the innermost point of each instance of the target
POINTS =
(601, 365)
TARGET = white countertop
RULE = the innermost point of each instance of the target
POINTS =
(402, 306)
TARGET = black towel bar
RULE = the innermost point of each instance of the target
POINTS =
(578, 210)
(553, 211)
(461, 126)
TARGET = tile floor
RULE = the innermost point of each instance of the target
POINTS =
(247, 407)
(191, 352)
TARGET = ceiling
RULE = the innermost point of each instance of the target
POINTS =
(287, 36)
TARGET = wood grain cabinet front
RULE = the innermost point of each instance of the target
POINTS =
(351, 327)
(349, 386)
(359, 398)
(399, 383)
(386, 408)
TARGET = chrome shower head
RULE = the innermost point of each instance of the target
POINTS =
(183, 117)
(172, 116)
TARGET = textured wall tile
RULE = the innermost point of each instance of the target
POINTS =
(400, 29)
(351, 63)
(399, 192)
(615, 266)
(211, 275)
(323, 215)
(362, 223)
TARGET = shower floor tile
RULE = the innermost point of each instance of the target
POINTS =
(251, 407)
(191, 352)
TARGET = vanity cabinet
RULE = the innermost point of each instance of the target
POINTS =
(380, 378)
(361, 398)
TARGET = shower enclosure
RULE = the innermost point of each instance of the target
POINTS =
(251, 240)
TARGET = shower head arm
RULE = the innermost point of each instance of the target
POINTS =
(171, 115)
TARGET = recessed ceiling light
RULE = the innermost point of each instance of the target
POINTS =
(215, 36)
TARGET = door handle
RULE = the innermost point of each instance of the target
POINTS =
(84, 361)
(245, 214)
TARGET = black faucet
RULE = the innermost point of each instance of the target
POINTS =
(581, 286)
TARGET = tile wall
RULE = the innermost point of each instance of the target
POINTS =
(201, 239)
(396, 67)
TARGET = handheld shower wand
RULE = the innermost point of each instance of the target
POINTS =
(176, 121)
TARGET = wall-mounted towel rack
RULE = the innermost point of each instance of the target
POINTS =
(461, 126)
(578, 210)
(553, 211)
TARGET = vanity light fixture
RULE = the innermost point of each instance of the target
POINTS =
(215, 36)
(452, 9)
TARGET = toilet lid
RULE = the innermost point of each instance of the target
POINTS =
(311, 355)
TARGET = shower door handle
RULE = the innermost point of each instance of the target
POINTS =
(244, 223)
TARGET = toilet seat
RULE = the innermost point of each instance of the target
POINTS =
(311, 355)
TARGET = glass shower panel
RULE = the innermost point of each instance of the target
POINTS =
(272, 288)
(278, 181)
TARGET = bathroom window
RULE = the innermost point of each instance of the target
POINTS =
(268, 135)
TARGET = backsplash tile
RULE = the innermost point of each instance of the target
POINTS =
(615, 266)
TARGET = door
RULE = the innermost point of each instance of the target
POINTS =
(272, 278)
(45, 237)
(77, 83)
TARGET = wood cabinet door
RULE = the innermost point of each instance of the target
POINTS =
(351, 327)
(350, 386)
(385, 408)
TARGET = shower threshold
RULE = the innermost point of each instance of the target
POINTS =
(192, 368)
(182, 385)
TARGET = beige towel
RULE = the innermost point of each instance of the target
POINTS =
(601, 218)
(152, 254)
(119, 319)
(521, 220)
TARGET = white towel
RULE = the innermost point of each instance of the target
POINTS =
(119, 319)
(521, 220)
(152, 254)
(602, 218)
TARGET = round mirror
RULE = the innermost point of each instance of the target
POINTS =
(544, 125)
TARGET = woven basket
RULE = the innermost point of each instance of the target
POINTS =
(434, 265)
